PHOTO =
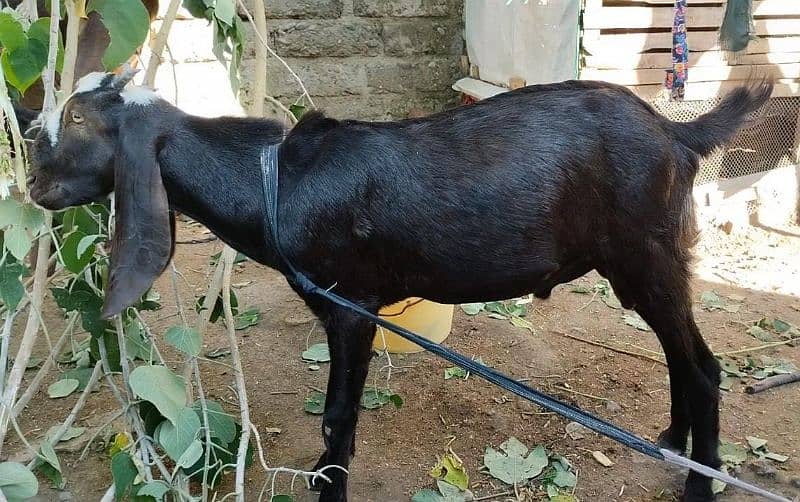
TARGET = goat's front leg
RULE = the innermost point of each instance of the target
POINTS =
(350, 342)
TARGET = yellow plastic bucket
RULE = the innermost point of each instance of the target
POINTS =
(426, 318)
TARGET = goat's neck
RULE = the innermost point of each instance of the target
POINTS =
(211, 171)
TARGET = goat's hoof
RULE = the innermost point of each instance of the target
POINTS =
(667, 439)
(698, 489)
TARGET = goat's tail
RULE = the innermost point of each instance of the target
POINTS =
(719, 126)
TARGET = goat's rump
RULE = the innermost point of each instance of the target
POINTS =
(521, 191)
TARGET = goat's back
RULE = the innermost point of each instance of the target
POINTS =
(509, 189)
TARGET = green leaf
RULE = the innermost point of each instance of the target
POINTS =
(124, 472)
(128, 24)
(453, 493)
(11, 287)
(225, 10)
(220, 423)
(760, 333)
(136, 344)
(776, 457)
(451, 470)
(177, 438)
(472, 308)
(40, 30)
(191, 455)
(514, 466)
(185, 339)
(454, 372)
(281, 498)
(780, 326)
(196, 8)
(246, 319)
(375, 398)
(563, 477)
(24, 65)
(427, 495)
(315, 403)
(17, 482)
(49, 454)
(317, 353)
(82, 375)
(12, 36)
(711, 300)
(63, 388)
(635, 321)
(297, 110)
(70, 433)
(756, 443)
(156, 489)
(17, 242)
(161, 387)
(732, 454)
(75, 260)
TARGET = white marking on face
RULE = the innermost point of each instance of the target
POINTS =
(327, 431)
(138, 95)
(90, 81)
(52, 122)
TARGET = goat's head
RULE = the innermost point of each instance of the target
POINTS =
(98, 141)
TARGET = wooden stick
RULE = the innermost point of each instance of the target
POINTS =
(227, 258)
(157, 48)
(773, 381)
(609, 347)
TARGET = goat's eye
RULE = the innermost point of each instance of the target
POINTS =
(77, 117)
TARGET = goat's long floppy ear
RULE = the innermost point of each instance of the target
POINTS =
(143, 235)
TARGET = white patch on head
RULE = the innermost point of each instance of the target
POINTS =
(138, 95)
(52, 123)
(90, 81)
(87, 83)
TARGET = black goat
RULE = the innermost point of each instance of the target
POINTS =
(518, 193)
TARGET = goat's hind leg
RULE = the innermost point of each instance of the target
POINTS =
(661, 295)
(350, 343)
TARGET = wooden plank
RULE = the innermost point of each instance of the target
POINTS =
(663, 60)
(706, 90)
(662, 16)
(650, 17)
(699, 74)
(596, 43)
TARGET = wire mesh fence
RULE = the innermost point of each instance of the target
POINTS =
(769, 140)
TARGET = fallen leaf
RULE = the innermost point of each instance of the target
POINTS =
(472, 308)
(454, 372)
(635, 321)
(315, 403)
(514, 466)
(726, 383)
(780, 326)
(602, 459)
(732, 454)
(760, 333)
(451, 470)
(756, 443)
(272, 430)
(427, 495)
(317, 353)
(711, 301)
(776, 457)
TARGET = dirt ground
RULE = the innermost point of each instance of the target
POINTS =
(396, 448)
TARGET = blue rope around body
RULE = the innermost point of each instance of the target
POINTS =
(269, 175)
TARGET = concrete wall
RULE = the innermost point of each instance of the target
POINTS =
(366, 59)
(369, 59)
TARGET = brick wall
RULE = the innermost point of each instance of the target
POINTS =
(368, 59)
